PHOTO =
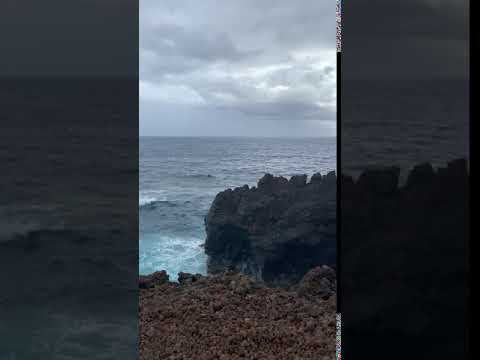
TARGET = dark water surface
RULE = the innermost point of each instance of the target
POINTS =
(68, 219)
(403, 123)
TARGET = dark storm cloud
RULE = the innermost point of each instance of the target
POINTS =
(271, 60)
(430, 19)
(412, 38)
(68, 38)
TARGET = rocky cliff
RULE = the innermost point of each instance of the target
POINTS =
(404, 260)
(276, 231)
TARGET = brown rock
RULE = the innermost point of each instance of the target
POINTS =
(149, 281)
(319, 282)
(230, 316)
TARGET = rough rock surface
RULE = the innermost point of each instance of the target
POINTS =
(231, 316)
(404, 260)
(320, 282)
(276, 231)
(149, 281)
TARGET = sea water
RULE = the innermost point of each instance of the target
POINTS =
(179, 178)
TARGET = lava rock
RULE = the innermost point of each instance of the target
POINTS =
(320, 282)
(231, 316)
(275, 232)
(150, 281)
(404, 257)
(186, 278)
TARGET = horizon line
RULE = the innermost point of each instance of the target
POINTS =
(239, 136)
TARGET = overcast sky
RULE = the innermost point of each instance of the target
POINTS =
(69, 38)
(408, 39)
(252, 68)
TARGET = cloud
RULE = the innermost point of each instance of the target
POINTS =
(267, 59)
(69, 38)
(169, 94)
(410, 38)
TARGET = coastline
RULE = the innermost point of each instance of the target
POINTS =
(234, 312)
(232, 316)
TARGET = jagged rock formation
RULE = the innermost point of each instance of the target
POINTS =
(404, 261)
(276, 231)
(231, 316)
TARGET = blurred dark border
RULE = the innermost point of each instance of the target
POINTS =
(69, 180)
(405, 145)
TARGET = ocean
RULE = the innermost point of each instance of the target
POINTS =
(69, 218)
(180, 176)
(401, 123)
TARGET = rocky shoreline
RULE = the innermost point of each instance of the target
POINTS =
(271, 288)
(282, 232)
(274, 232)
(232, 316)
(417, 233)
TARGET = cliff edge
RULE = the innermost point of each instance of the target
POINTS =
(274, 232)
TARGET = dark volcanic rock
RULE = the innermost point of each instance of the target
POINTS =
(149, 281)
(381, 181)
(231, 316)
(320, 282)
(186, 278)
(404, 259)
(275, 232)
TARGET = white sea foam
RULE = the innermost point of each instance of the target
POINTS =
(151, 197)
(172, 254)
